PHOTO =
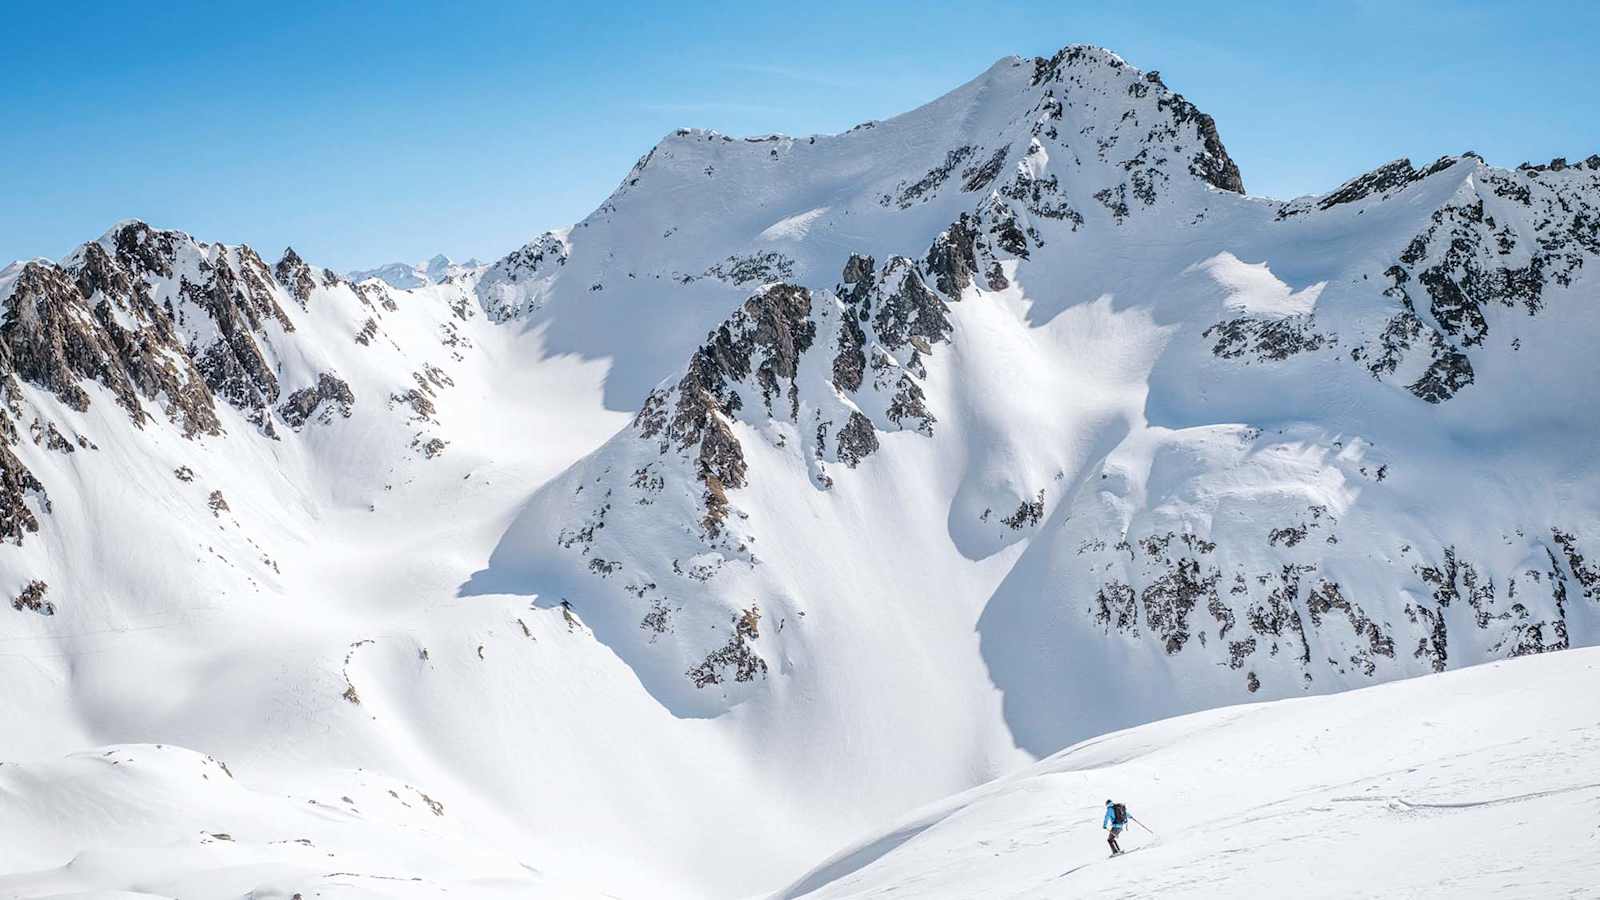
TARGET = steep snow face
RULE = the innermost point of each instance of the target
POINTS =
(957, 437)
(1473, 784)
(704, 219)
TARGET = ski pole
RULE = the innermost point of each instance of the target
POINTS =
(1145, 827)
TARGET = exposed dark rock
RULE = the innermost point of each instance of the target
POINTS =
(758, 268)
(857, 269)
(233, 365)
(1115, 606)
(1028, 513)
(1326, 598)
(1288, 536)
(766, 338)
(953, 257)
(17, 487)
(1114, 200)
(418, 400)
(929, 184)
(1055, 68)
(850, 360)
(48, 337)
(658, 620)
(737, 654)
(1278, 616)
(1212, 162)
(1383, 180)
(857, 440)
(1009, 237)
(1449, 372)
(1239, 651)
(1587, 576)
(981, 176)
(1169, 600)
(907, 310)
(330, 394)
(32, 599)
(1041, 197)
(1268, 340)
(295, 275)
(1462, 261)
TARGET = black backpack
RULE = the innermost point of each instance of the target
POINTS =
(1119, 814)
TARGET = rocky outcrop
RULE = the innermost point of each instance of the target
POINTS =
(295, 276)
(18, 487)
(765, 338)
(1496, 246)
(517, 284)
(32, 599)
(98, 317)
(1266, 340)
(953, 258)
(736, 658)
(1382, 181)
(50, 337)
(1173, 129)
(1297, 610)
(163, 327)
(330, 396)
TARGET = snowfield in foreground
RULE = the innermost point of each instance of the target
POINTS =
(1478, 783)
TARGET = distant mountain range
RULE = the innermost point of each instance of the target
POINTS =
(406, 277)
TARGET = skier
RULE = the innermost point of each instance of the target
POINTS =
(1116, 819)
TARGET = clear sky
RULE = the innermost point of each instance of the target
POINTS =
(364, 133)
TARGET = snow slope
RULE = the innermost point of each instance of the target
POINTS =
(956, 438)
(1480, 783)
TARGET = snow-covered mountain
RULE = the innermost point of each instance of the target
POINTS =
(673, 536)
(406, 276)
(1024, 368)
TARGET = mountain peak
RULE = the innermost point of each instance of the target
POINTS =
(1071, 56)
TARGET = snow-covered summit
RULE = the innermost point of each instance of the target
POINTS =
(1122, 143)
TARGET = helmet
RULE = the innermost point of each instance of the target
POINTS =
(1108, 802)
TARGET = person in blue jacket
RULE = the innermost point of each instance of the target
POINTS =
(1116, 819)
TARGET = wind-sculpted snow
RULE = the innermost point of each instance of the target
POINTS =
(1474, 784)
(957, 437)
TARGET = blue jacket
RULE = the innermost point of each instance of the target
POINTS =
(1110, 819)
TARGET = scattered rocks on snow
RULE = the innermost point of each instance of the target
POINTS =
(32, 599)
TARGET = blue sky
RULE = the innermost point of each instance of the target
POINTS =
(366, 133)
